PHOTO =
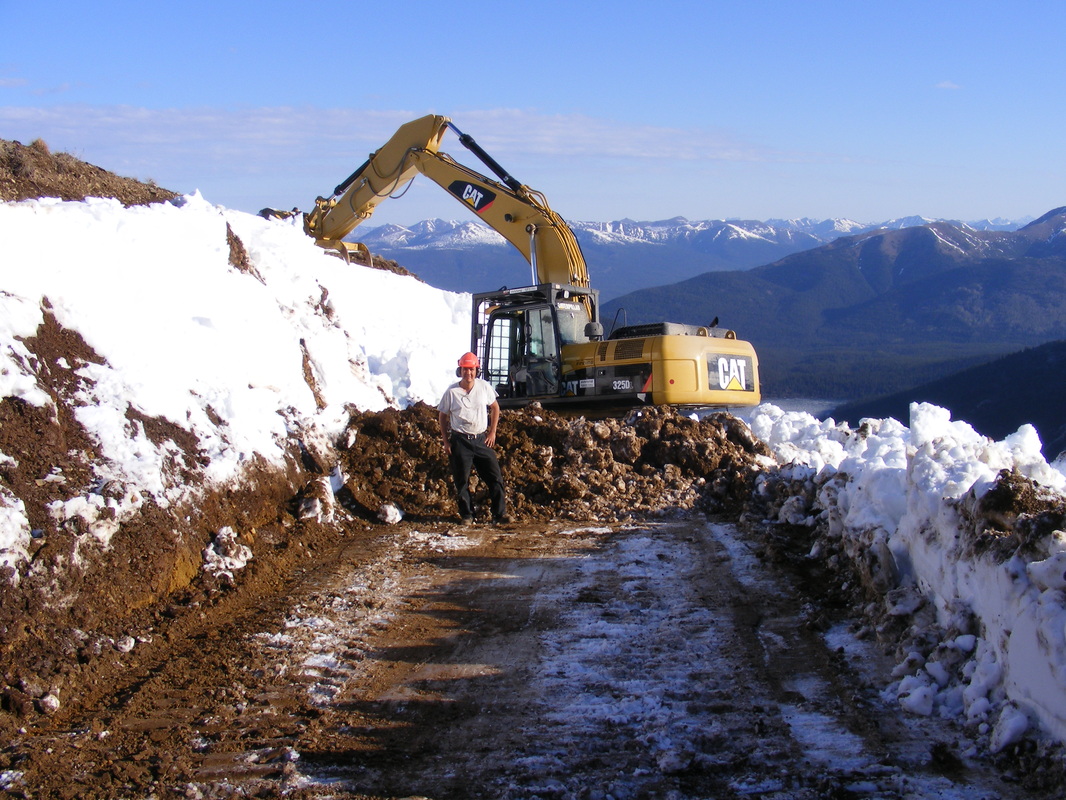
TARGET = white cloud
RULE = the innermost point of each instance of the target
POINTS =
(579, 135)
(254, 134)
(247, 158)
(948, 85)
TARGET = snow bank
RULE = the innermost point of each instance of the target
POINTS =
(241, 359)
(901, 500)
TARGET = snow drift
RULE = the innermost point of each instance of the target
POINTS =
(963, 538)
(243, 360)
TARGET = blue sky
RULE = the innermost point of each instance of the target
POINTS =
(646, 110)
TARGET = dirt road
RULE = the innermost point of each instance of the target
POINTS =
(652, 661)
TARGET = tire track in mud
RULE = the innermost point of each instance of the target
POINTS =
(655, 661)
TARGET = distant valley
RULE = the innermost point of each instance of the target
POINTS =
(995, 398)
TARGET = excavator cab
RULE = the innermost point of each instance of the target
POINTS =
(522, 349)
(522, 335)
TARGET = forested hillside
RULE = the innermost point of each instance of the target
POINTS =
(876, 313)
(995, 398)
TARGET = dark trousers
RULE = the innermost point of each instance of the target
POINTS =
(470, 454)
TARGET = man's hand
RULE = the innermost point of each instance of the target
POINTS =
(445, 431)
(494, 420)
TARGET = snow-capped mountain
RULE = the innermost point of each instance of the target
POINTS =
(997, 224)
(430, 234)
(960, 291)
(446, 234)
(623, 255)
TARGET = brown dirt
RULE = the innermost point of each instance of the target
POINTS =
(73, 600)
(408, 661)
(32, 171)
(656, 461)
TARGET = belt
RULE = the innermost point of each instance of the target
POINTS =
(468, 436)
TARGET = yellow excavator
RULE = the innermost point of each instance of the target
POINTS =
(544, 342)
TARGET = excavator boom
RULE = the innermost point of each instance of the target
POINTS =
(519, 214)
(386, 172)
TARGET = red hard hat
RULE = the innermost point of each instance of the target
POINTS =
(469, 360)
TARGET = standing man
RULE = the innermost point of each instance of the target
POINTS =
(469, 413)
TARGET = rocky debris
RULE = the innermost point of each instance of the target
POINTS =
(382, 263)
(654, 461)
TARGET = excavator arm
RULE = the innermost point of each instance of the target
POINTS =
(519, 214)
(387, 171)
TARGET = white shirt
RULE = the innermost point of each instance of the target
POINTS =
(468, 412)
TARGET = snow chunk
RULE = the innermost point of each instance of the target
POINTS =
(1010, 727)
(1049, 573)
(15, 531)
(390, 514)
(225, 555)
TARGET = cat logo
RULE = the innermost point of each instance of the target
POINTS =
(477, 198)
(730, 373)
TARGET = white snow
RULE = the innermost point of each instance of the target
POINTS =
(225, 555)
(222, 354)
(216, 351)
(903, 492)
(431, 234)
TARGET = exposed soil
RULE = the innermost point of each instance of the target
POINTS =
(353, 658)
(653, 461)
(551, 661)
(32, 171)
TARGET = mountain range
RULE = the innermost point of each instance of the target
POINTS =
(624, 255)
(876, 312)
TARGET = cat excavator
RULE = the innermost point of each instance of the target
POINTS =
(543, 342)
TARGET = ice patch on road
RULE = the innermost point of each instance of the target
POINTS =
(824, 740)
(630, 655)
(745, 565)
(440, 542)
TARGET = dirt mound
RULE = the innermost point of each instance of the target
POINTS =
(654, 461)
(32, 171)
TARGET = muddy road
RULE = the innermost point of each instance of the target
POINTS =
(639, 661)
